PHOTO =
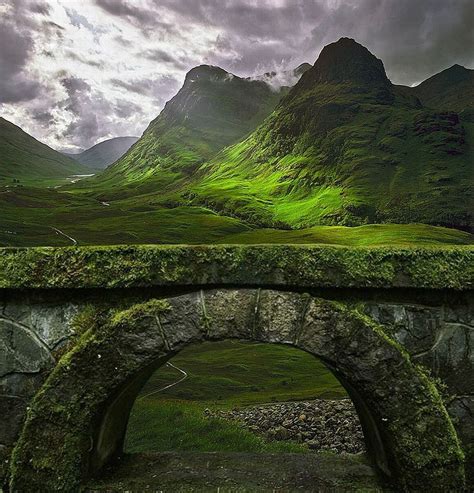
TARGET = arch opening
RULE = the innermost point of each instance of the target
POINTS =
(232, 396)
(85, 402)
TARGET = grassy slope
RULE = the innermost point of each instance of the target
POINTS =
(24, 158)
(223, 374)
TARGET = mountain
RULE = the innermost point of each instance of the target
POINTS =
(345, 146)
(452, 89)
(24, 158)
(104, 153)
(213, 109)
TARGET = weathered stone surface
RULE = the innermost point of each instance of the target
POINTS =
(15, 408)
(451, 358)
(21, 350)
(279, 316)
(230, 313)
(50, 322)
(415, 327)
(183, 322)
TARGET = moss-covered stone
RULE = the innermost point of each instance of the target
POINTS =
(64, 430)
(264, 265)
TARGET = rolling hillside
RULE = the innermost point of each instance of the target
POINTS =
(27, 160)
(104, 153)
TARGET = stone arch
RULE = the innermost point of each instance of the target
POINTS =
(78, 419)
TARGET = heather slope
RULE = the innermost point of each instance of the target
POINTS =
(24, 158)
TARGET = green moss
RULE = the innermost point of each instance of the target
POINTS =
(302, 266)
(148, 309)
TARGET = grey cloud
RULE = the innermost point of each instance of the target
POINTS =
(86, 124)
(40, 8)
(50, 28)
(123, 41)
(161, 88)
(161, 56)
(17, 47)
(148, 20)
(124, 109)
(81, 59)
(43, 118)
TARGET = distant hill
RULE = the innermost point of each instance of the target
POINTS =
(24, 158)
(452, 89)
(347, 147)
(104, 153)
(213, 109)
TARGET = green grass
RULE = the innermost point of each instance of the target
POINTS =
(235, 373)
(372, 235)
(182, 426)
(29, 214)
(224, 375)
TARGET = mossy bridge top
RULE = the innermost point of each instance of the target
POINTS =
(395, 325)
(298, 266)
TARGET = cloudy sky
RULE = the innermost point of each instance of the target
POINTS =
(75, 72)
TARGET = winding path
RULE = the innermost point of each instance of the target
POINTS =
(185, 375)
(74, 242)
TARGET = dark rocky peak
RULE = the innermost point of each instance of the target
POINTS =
(207, 72)
(346, 61)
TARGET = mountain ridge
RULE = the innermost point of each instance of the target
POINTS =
(104, 153)
(212, 110)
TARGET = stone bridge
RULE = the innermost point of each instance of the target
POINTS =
(82, 329)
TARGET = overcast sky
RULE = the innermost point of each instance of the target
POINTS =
(75, 72)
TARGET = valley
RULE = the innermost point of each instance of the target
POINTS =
(343, 157)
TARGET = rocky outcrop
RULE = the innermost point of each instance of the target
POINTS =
(322, 425)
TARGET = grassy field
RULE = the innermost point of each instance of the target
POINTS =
(31, 217)
(223, 375)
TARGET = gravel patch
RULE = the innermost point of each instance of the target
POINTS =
(323, 425)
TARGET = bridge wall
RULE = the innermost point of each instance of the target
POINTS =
(424, 301)
(35, 329)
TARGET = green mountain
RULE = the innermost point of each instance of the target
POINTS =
(24, 158)
(345, 146)
(212, 110)
(452, 90)
(103, 154)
